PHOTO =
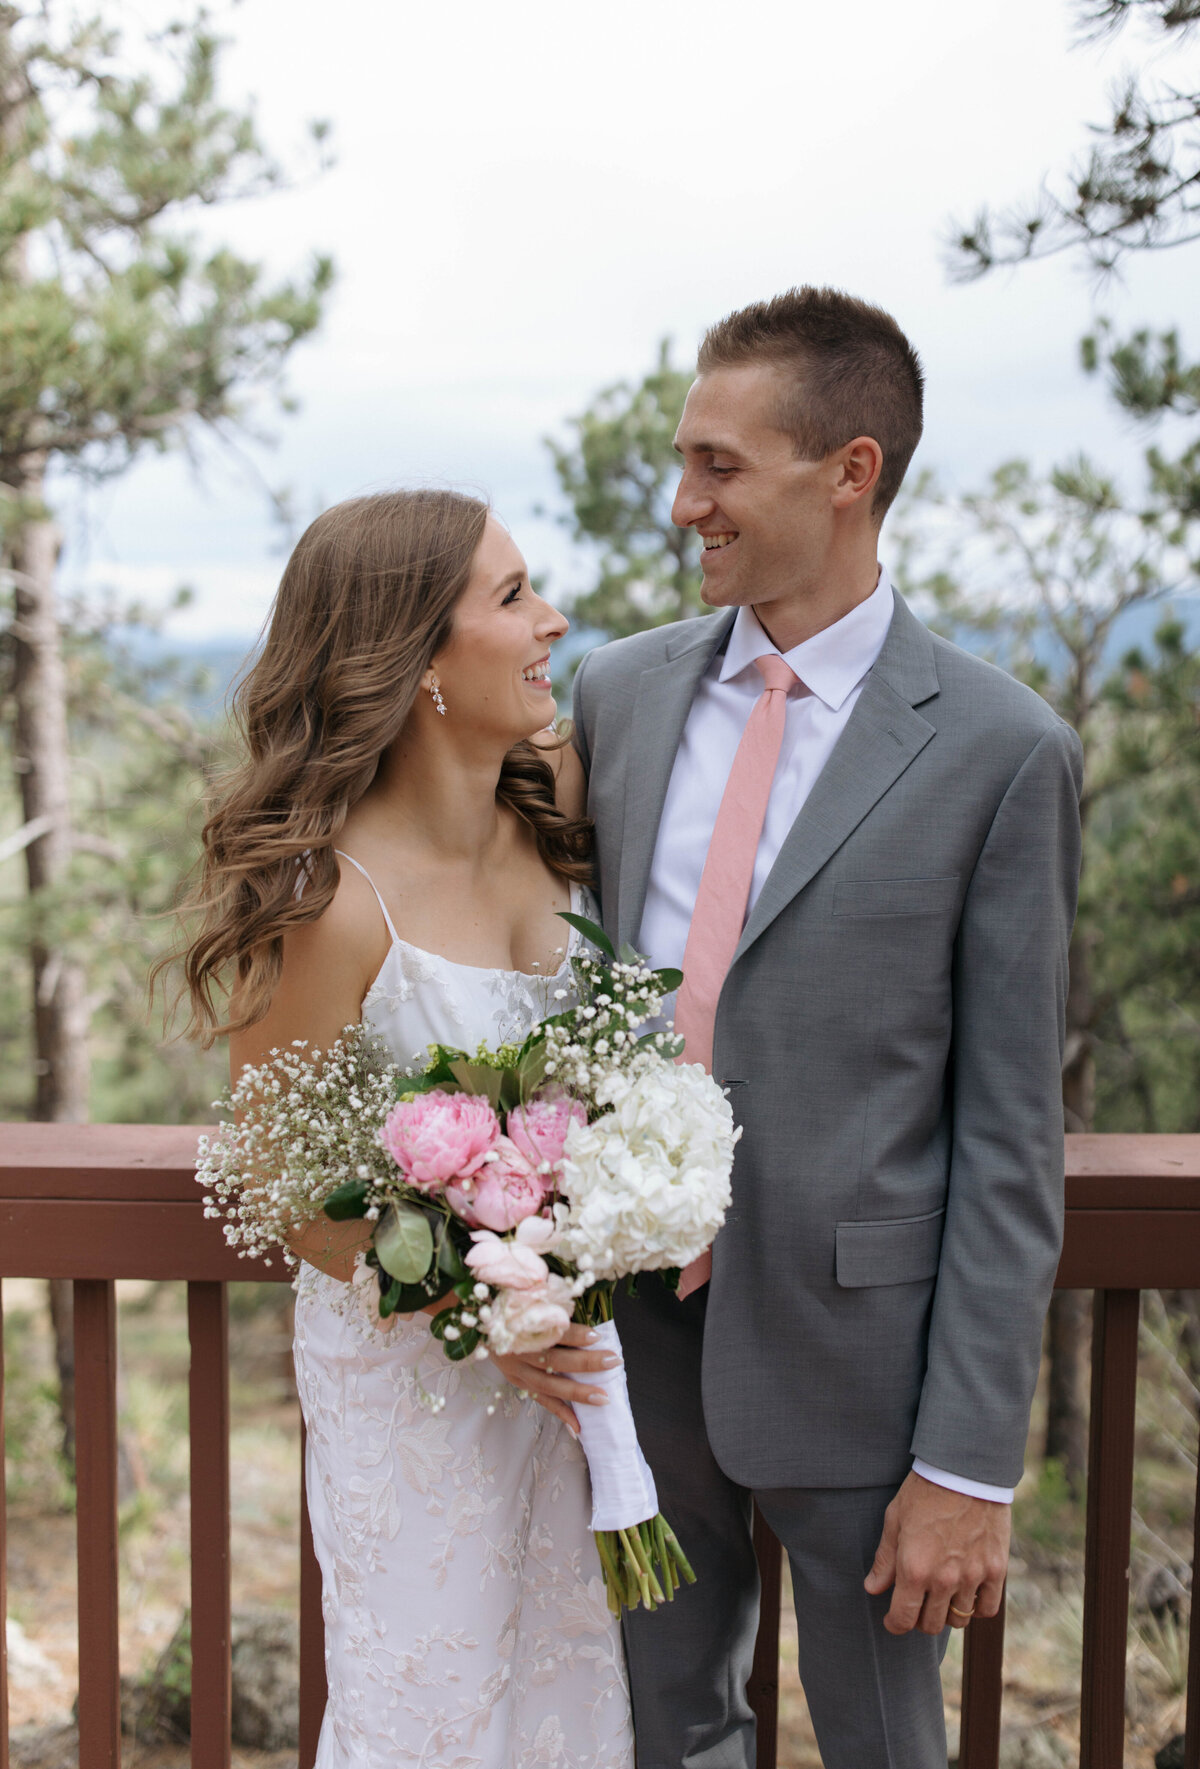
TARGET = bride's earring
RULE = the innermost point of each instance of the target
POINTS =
(435, 690)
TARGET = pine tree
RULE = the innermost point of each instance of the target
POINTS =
(119, 333)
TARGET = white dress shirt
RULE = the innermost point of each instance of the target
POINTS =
(832, 667)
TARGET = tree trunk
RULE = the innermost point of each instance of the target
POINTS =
(1067, 1325)
(42, 759)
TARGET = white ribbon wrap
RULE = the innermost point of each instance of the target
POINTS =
(623, 1489)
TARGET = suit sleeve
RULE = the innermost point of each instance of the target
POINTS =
(580, 735)
(1004, 1207)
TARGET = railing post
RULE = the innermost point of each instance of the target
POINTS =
(313, 1688)
(762, 1686)
(3, 1561)
(208, 1418)
(982, 1691)
(96, 1522)
(1109, 1512)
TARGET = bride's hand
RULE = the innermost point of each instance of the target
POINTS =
(549, 1376)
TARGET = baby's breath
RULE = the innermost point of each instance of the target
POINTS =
(297, 1127)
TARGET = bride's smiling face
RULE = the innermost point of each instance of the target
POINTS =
(495, 669)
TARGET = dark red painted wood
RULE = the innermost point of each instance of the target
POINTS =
(98, 1160)
(1131, 1249)
(982, 1692)
(208, 1416)
(313, 1687)
(1109, 1513)
(762, 1687)
(55, 1238)
(101, 1201)
(96, 1523)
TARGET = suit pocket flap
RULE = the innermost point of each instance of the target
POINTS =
(895, 896)
(902, 1250)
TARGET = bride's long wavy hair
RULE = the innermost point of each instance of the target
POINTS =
(366, 601)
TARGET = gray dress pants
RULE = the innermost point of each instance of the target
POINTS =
(875, 1698)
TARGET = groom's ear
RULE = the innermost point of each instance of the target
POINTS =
(858, 466)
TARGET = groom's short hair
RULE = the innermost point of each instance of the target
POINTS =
(850, 372)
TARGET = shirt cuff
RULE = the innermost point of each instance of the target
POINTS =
(958, 1483)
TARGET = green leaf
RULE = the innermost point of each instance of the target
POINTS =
(347, 1202)
(629, 954)
(404, 1242)
(389, 1302)
(462, 1347)
(478, 1078)
(448, 1255)
(668, 980)
(531, 1071)
(409, 1087)
(590, 931)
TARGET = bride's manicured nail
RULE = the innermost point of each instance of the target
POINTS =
(589, 1338)
(597, 1399)
(609, 1362)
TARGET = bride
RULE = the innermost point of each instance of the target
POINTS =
(394, 847)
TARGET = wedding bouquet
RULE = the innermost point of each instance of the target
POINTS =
(516, 1185)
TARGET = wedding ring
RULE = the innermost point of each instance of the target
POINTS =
(965, 1613)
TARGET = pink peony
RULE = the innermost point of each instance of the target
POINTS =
(502, 1193)
(529, 1320)
(539, 1129)
(440, 1136)
(513, 1262)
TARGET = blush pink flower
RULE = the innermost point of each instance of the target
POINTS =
(539, 1129)
(511, 1262)
(522, 1321)
(501, 1193)
(439, 1137)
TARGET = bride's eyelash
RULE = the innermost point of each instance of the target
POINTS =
(511, 596)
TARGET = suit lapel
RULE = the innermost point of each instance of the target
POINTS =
(882, 736)
(665, 694)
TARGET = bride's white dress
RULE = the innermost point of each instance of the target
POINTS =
(465, 1618)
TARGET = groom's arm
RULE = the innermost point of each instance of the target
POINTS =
(1004, 1202)
(1003, 1228)
(579, 724)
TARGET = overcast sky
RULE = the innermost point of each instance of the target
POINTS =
(528, 196)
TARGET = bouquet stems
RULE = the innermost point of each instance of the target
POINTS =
(643, 1564)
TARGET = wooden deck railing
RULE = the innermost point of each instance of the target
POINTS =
(95, 1203)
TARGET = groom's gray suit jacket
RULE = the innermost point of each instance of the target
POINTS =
(891, 1035)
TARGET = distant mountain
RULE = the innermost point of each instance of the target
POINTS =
(219, 660)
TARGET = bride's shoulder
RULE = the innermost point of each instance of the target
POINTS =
(570, 783)
(348, 940)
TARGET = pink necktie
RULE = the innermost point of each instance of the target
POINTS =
(724, 893)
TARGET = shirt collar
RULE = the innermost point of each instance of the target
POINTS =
(830, 664)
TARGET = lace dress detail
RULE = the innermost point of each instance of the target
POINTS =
(466, 1625)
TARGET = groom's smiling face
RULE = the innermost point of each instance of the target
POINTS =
(764, 516)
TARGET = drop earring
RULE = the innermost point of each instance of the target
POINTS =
(436, 691)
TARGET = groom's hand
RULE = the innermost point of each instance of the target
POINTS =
(945, 1554)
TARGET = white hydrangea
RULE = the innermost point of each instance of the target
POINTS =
(648, 1184)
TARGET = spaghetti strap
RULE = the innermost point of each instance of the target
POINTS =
(382, 905)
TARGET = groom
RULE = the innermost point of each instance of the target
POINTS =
(862, 846)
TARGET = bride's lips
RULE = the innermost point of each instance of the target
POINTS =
(539, 681)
